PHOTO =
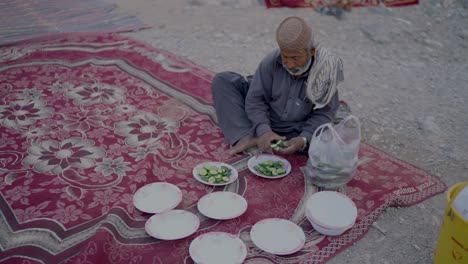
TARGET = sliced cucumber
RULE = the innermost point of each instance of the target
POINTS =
(202, 172)
(277, 145)
(213, 174)
(270, 168)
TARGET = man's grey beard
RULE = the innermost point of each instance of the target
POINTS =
(299, 70)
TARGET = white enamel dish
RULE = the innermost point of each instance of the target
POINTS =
(255, 160)
(157, 197)
(277, 236)
(222, 205)
(326, 231)
(171, 225)
(216, 248)
(331, 210)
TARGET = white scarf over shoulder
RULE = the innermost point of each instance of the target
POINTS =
(325, 75)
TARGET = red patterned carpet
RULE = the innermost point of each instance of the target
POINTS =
(86, 120)
(317, 3)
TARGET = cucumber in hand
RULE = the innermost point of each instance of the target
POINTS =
(277, 145)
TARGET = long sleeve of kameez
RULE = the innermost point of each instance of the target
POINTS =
(319, 117)
(256, 104)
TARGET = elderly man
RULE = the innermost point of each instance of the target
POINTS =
(293, 91)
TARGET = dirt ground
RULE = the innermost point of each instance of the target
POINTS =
(406, 75)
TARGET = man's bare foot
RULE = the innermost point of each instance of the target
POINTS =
(243, 144)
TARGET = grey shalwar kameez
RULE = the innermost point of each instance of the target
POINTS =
(273, 100)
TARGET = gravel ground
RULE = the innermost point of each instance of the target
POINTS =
(406, 75)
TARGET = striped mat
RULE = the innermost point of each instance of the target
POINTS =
(22, 19)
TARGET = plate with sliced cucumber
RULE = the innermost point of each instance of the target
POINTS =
(269, 166)
(215, 173)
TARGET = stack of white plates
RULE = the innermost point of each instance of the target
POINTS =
(331, 213)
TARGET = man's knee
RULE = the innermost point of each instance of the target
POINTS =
(222, 78)
(225, 80)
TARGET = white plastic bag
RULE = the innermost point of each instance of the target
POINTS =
(461, 203)
(333, 153)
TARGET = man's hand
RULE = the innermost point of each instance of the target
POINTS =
(292, 145)
(243, 144)
(265, 140)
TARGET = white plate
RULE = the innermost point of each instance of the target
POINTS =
(331, 210)
(217, 247)
(232, 177)
(255, 160)
(277, 236)
(170, 225)
(157, 197)
(222, 205)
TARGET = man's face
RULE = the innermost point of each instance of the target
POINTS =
(296, 61)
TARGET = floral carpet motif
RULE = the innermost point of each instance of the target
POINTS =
(86, 120)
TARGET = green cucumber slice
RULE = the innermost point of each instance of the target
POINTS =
(213, 174)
